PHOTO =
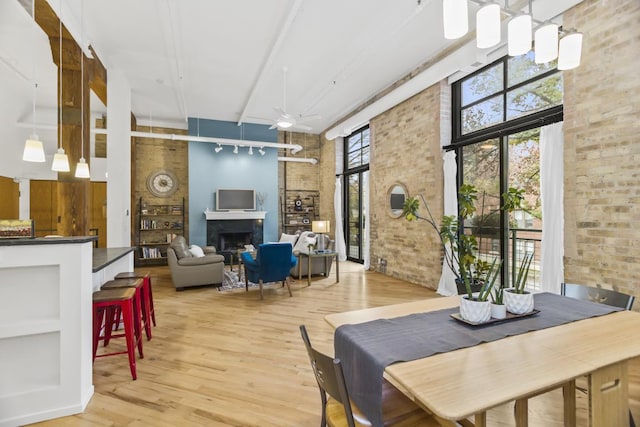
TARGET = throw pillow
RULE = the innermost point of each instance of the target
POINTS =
(306, 238)
(291, 238)
(196, 251)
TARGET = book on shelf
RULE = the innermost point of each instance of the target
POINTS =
(151, 253)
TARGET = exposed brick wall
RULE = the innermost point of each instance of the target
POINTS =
(152, 154)
(298, 176)
(406, 149)
(602, 147)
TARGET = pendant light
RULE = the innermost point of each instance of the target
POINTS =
(455, 17)
(82, 168)
(33, 149)
(546, 43)
(60, 159)
(570, 50)
(488, 25)
(519, 34)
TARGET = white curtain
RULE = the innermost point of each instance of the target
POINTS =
(447, 285)
(341, 247)
(365, 209)
(551, 195)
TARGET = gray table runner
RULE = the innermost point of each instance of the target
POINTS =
(366, 349)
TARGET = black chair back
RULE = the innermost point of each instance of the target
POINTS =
(598, 295)
(330, 378)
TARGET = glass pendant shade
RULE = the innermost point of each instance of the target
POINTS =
(60, 161)
(546, 43)
(33, 150)
(570, 51)
(488, 26)
(455, 18)
(82, 169)
(519, 35)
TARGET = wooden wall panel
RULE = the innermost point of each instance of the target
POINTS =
(98, 212)
(9, 199)
(44, 206)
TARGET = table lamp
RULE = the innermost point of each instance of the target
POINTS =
(320, 227)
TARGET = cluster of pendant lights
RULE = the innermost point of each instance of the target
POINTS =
(519, 33)
(33, 148)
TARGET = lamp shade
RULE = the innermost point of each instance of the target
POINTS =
(570, 51)
(320, 226)
(455, 18)
(33, 150)
(60, 161)
(82, 169)
(546, 43)
(488, 25)
(519, 35)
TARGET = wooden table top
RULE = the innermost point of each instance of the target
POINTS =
(461, 383)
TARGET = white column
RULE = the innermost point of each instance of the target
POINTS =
(118, 160)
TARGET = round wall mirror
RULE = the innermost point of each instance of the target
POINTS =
(396, 196)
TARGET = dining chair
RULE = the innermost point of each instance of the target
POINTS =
(337, 408)
(600, 296)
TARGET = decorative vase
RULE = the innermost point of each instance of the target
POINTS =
(518, 303)
(475, 311)
(498, 311)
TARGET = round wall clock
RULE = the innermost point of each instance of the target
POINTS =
(162, 183)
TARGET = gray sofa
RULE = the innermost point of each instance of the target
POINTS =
(317, 264)
(188, 270)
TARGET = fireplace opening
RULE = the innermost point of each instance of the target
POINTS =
(233, 241)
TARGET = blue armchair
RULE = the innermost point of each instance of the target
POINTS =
(272, 264)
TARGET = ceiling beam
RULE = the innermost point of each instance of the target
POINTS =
(284, 31)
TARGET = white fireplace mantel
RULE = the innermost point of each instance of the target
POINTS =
(220, 215)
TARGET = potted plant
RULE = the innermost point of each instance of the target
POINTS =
(517, 299)
(460, 249)
(498, 309)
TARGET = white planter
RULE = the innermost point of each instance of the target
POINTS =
(518, 303)
(475, 311)
(498, 311)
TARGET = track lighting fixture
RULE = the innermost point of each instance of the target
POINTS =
(251, 151)
(235, 149)
(261, 151)
(218, 148)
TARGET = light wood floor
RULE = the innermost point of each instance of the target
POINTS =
(229, 359)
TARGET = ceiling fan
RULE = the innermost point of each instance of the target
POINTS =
(287, 120)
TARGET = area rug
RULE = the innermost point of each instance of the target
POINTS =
(232, 281)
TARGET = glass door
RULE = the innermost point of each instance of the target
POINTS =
(355, 215)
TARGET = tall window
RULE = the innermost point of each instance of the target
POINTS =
(356, 149)
(498, 112)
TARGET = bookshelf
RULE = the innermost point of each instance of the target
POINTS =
(157, 226)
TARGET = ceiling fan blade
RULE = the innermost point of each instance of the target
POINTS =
(273, 126)
(304, 119)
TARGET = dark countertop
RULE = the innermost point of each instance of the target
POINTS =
(47, 240)
(102, 257)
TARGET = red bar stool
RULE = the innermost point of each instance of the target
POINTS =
(146, 276)
(105, 304)
(139, 308)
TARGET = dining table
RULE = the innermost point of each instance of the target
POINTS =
(465, 383)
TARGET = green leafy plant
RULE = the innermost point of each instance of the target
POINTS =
(523, 272)
(460, 249)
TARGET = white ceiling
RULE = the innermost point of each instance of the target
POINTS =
(224, 60)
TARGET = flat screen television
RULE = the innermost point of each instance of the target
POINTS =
(235, 200)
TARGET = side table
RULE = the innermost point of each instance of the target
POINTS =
(327, 259)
